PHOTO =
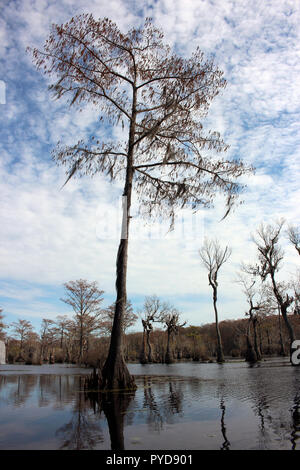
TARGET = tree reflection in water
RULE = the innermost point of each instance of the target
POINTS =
(262, 409)
(175, 398)
(83, 431)
(226, 443)
(114, 406)
(154, 418)
(18, 388)
(159, 409)
(295, 434)
(275, 424)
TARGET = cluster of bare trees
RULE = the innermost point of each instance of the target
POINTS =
(199, 343)
(263, 297)
(65, 339)
(160, 312)
(84, 339)
(269, 260)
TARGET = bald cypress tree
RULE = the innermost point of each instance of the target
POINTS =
(159, 98)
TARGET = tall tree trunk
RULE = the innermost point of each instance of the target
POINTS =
(220, 355)
(115, 374)
(256, 347)
(250, 352)
(168, 358)
(283, 308)
(41, 358)
(289, 328)
(260, 339)
(282, 349)
(143, 355)
(150, 355)
(269, 341)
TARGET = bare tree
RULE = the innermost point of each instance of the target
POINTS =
(129, 317)
(21, 330)
(62, 322)
(85, 299)
(46, 339)
(270, 256)
(257, 306)
(71, 338)
(32, 346)
(294, 237)
(153, 311)
(159, 99)
(273, 307)
(171, 317)
(213, 257)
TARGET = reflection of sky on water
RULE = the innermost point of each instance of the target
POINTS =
(185, 406)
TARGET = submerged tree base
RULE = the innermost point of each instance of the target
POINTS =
(112, 377)
(251, 355)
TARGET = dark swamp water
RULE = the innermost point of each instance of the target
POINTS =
(182, 406)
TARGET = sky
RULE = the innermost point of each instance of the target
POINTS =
(50, 235)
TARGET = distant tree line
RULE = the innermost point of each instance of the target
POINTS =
(165, 158)
(64, 339)
(58, 342)
(270, 326)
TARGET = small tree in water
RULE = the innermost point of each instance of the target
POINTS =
(213, 257)
(270, 256)
(171, 320)
(257, 305)
(159, 98)
(154, 309)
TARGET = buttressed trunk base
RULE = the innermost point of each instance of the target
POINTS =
(115, 375)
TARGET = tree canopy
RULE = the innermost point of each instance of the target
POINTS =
(135, 80)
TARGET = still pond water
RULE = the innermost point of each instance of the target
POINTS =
(181, 406)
